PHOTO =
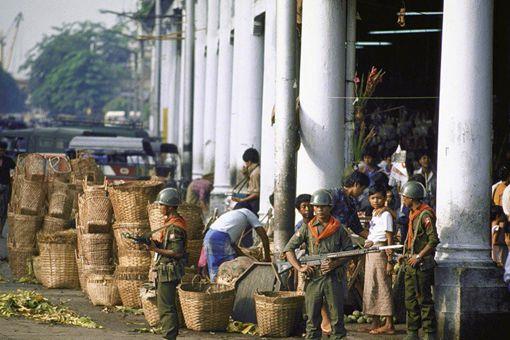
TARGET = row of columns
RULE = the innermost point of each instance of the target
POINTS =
(236, 86)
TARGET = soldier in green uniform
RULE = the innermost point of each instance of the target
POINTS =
(323, 234)
(170, 246)
(419, 251)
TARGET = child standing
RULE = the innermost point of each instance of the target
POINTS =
(377, 293)
(499, 247)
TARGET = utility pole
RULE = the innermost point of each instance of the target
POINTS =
(157, 75)
(350, 69)
(188, 90)
(286, 121)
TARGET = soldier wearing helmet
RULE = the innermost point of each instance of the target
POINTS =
(323, 234)
(419, 249)
(169, 244)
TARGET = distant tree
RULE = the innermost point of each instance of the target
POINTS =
(78, 69)
(12, 99)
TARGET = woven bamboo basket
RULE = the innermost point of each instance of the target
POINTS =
(157, 216)
(192, 214)
(23, 229)
(88, 269)
(58, 268)
(54, 224)
(82, 277)
(98, 208)
(129, 200)
(277, 312)
(31, 197)
(60, 200)
(149, 305)
(102, 290)
(58, 169)
(19, 260)
(206, 306)
(193, 248)
(134, 258)
(129, 280)
(84, 167)
(35, 167)
(96, 248)
(136, 228)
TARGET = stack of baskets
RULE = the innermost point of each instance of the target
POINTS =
(95, 256)
(129, 201)
(25, 210)
(192, 214)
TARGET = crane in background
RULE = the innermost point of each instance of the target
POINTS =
(5, 60)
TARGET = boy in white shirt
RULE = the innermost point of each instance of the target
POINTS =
(377, 293)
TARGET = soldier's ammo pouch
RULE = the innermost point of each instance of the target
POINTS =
(427, 263)
(170, 271)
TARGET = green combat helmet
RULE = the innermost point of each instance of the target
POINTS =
(169, 197)
(414, 190)
(321, 197)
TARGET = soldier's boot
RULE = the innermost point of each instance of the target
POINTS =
(412, 335)
(430, 336)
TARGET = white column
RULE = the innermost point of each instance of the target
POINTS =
(199, 88)
(468, 289)
(465, 130)
(267, 152)
(187, 147)
(322, 77)
(248, 80)
(350, 70)
(170, 99)
(234, 110)
(165, 89)
(211, 83)
(223, 109)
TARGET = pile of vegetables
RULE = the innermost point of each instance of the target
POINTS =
(357, 317)
(32, 305)
(242, 327)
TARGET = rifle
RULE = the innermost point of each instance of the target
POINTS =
(145, 238)
(317, 260)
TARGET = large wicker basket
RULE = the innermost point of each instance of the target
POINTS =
(57, 263)
(157, 216)
(96, 248)
(149, 306)
(31, 196)
(58, 169)
(54, 224)
(19, 260)
(34, 167)
(192, 214)
(134, 258)
(129, 200)
(206, 306)
(98, 208)
(23, 229)
(82, 277)
(194, 247)
(102, 290)
(129, 280)
(277, 312)
(60, 201)
(136, 228)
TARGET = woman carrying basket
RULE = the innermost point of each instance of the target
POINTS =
(169, 244)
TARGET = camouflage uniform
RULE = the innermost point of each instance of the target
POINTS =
(170, 272)
(323, 288)
(419, 279)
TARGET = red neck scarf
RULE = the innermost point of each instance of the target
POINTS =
(331, 228)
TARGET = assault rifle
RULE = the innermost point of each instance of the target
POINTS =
(317, 260)
(145, 238)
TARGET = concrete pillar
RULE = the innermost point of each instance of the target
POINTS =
(211, 83)
(322, 77)
(267, 152)
(157, 71)
(470, 296)
(199, 88)
(223, 109)
(187, 149)
(170, 99)
(165, 89)
(248, 75)
(286, 122)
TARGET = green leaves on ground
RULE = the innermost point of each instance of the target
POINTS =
(32, 305)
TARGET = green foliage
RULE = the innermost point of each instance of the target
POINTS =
(12, 99)
(118, 104)
(78, 69)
